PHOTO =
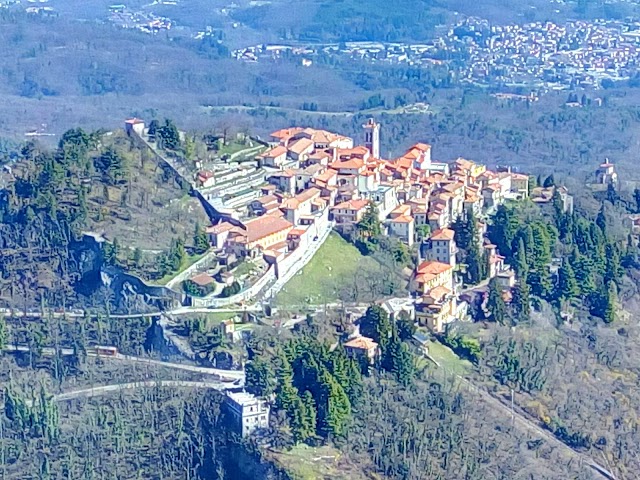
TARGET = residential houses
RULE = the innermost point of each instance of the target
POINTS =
(317, 179)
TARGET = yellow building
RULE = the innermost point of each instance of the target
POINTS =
(437, 304)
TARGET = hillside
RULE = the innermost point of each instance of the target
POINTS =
(92, 182)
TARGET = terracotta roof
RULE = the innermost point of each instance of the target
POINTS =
(286, 132)
(353, 163)
(134, 121)
(296, 232)
(264, 226)
(205, 174)
(464, 164)
(202, 279)
(402, 219)
(300, 146)
(308, 194)
(443, 234)
(438, 293)
(519, 176)
(220, 228)
(422, 146)
(275, 152)
(290, 204)
(433, 267)
(356, 205)
(361, 343)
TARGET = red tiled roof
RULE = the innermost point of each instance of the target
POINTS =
(361, 343)
(443, 234)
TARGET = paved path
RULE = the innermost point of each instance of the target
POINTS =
(227, 374)
(106, 389)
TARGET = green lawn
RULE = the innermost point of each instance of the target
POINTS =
(318, 281)
(310, 463)
(447, 359)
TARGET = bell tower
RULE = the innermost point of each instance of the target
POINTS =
(372, 137)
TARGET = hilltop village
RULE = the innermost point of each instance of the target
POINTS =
(308, 182)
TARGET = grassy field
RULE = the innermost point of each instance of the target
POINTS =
(318, 281)
(309, 463)
(447, 359)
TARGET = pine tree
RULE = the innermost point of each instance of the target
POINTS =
(540, 282)
(611, 303)
(614, 268)
(334, 409)
(521, 303)
(541, 255)
(475, 266)
(495, 303)
(200, 240)
(584, 269)
(521, 264)
(259, 377)
(369, 226)
(310, 415)
(567, 283)
(406, 326)
(601, 219)
(375, 323)
(504, 229)
(549, 182)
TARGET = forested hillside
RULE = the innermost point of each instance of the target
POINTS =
(92, 182)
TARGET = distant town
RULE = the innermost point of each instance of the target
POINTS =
(538, 55)
(279, 209)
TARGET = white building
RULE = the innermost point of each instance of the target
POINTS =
(248, 411)
(441, 247)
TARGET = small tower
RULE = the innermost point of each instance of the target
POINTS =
(372, 137)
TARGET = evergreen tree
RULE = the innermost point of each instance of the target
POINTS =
(614, 268)
(636, 197)
(476, 266)
(584, 272)
(540, 282)
(334, 409)
(567, 283)
(612, 194)
(310, 414)
(169, 135)
(259, 377)
(549, 182)
(521, 303)
(532, 183)
(375, 324)
(521, 264)
(541, 251)
(406, 326)
(504, 229)
(611, 303)
(153, 128)
(200, 240)
(189, 148)
(397, 359)
(601, 219)
(286, 393)
(369, 226)
(495, 303)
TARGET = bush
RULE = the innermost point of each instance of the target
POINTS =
(231, 290)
